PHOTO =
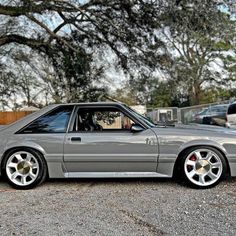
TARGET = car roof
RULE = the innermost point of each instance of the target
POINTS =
(220, 105)
(91, 103)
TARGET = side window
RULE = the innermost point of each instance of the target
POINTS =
(55, 121)
(113, 120)
(101, 120)
(232, 109)
(214, 109)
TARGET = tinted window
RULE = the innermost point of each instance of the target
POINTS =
(203, 112)
(55, 121)
(219, 109)
(232, 109)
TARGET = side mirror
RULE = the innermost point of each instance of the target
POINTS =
(136, 128)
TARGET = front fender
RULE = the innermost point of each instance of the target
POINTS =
(201, 142)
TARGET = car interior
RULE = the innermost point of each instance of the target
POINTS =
(100, 120)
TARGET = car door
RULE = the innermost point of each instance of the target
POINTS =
(106, 143)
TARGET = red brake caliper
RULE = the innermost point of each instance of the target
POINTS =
(192, 158)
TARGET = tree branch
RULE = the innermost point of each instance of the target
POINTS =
(51, 33)
(35, 8)
(13, 38)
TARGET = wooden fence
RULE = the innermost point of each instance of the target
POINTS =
(8, 117)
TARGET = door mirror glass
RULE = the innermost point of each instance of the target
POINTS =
(136, 128)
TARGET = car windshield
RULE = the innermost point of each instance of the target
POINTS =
(202, 112)
(141, 117)
(218, 108)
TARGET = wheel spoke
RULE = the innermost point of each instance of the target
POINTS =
(32, 175)
(14, 175)
(34, 166)
(202, 179)
(28, 157)
(12, 165)
(191, 163)
(215, 165)
(198, 155)
(212, 175)
(23, 179)
(19, 157)
(191, 173)
(209, 156)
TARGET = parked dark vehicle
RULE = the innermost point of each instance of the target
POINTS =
(213, 115)
(200, 115)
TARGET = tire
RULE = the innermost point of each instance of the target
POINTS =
(24, 168)
(203, 167)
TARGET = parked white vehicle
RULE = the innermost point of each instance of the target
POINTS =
(231, 116)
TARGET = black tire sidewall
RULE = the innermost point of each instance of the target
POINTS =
(42, 167)
(185, 178)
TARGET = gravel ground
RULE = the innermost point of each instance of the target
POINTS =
(118, 207)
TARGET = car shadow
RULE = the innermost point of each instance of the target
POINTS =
(55, 182)
(111, 180)
(127, 181)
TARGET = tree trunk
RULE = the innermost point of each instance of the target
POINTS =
(195, 95)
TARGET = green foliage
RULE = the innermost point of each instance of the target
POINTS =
(76, 80)
(162, 96)
(165, 48)
(74, 36)
(196, 35)
(125, 95)
(222, 46)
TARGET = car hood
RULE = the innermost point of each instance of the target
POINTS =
(195, 129)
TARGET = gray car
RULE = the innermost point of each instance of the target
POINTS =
(111, 140)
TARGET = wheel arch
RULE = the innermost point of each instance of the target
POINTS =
(185, 149)
(10, 149)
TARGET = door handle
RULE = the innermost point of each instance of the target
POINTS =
(75, 139)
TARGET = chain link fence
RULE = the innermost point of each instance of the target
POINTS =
(210, 114)
(163, 114)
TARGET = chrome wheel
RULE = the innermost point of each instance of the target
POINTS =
(203, 167)
(22, 168)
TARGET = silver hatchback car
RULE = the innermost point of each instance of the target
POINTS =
(111, 140)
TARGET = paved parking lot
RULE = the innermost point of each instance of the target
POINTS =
(118, 207)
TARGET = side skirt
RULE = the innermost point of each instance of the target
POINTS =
(114, 175)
